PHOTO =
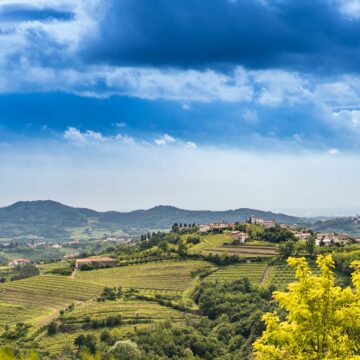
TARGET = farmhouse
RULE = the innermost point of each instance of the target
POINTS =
(239, 237)
(95, 262)
(17, 262)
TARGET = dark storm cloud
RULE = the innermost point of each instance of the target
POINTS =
(306, 35)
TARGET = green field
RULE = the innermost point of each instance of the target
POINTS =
(164, 275)
(254, 272)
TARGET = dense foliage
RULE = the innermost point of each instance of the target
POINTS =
(322, 321)
(25, 271)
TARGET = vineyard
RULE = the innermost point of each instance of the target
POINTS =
(254, 272)
(210, 241)
(55, 344)
(221, 244)
(13, 313)
(165, 275)
(244, 251)
(282, 275)
(31, 299)
(134, 314)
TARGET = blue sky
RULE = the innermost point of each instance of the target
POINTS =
(94, 90)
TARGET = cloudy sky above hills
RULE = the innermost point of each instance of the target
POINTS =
(195, 103)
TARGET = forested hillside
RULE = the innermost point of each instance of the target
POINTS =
(53, 220)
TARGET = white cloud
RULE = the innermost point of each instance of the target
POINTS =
(278, 87)
(125, 139)
(76, 136)
(91, 138)
(350, 8)
(341, 93)
(181, 85)
(190, 144)
(165, 140)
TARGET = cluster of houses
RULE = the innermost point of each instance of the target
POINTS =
(322, 239)
(203, 229)
(259, 221)
(223, 225)
(327, 239)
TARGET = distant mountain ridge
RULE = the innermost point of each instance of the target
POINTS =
(47, 218)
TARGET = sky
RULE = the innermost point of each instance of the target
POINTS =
(200, 104)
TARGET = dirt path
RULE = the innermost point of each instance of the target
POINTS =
(265, 275)
(72, 276)
(47, 319)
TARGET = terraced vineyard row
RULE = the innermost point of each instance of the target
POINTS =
(129, 310)
(34, 299)
(163, 276)
(282, 275)
(245, 251)
(254, 272)
(136, 312)
(47, 291)
(11, 313)
(208, 241)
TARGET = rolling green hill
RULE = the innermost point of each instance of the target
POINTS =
(52, 220)
(347, 225)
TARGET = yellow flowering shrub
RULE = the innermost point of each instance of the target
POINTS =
(322, 321)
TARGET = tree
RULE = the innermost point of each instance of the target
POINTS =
(125, 350)
(322, 321)
(310, 244)
(287, 248)
(52, 329)
(86, 341)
